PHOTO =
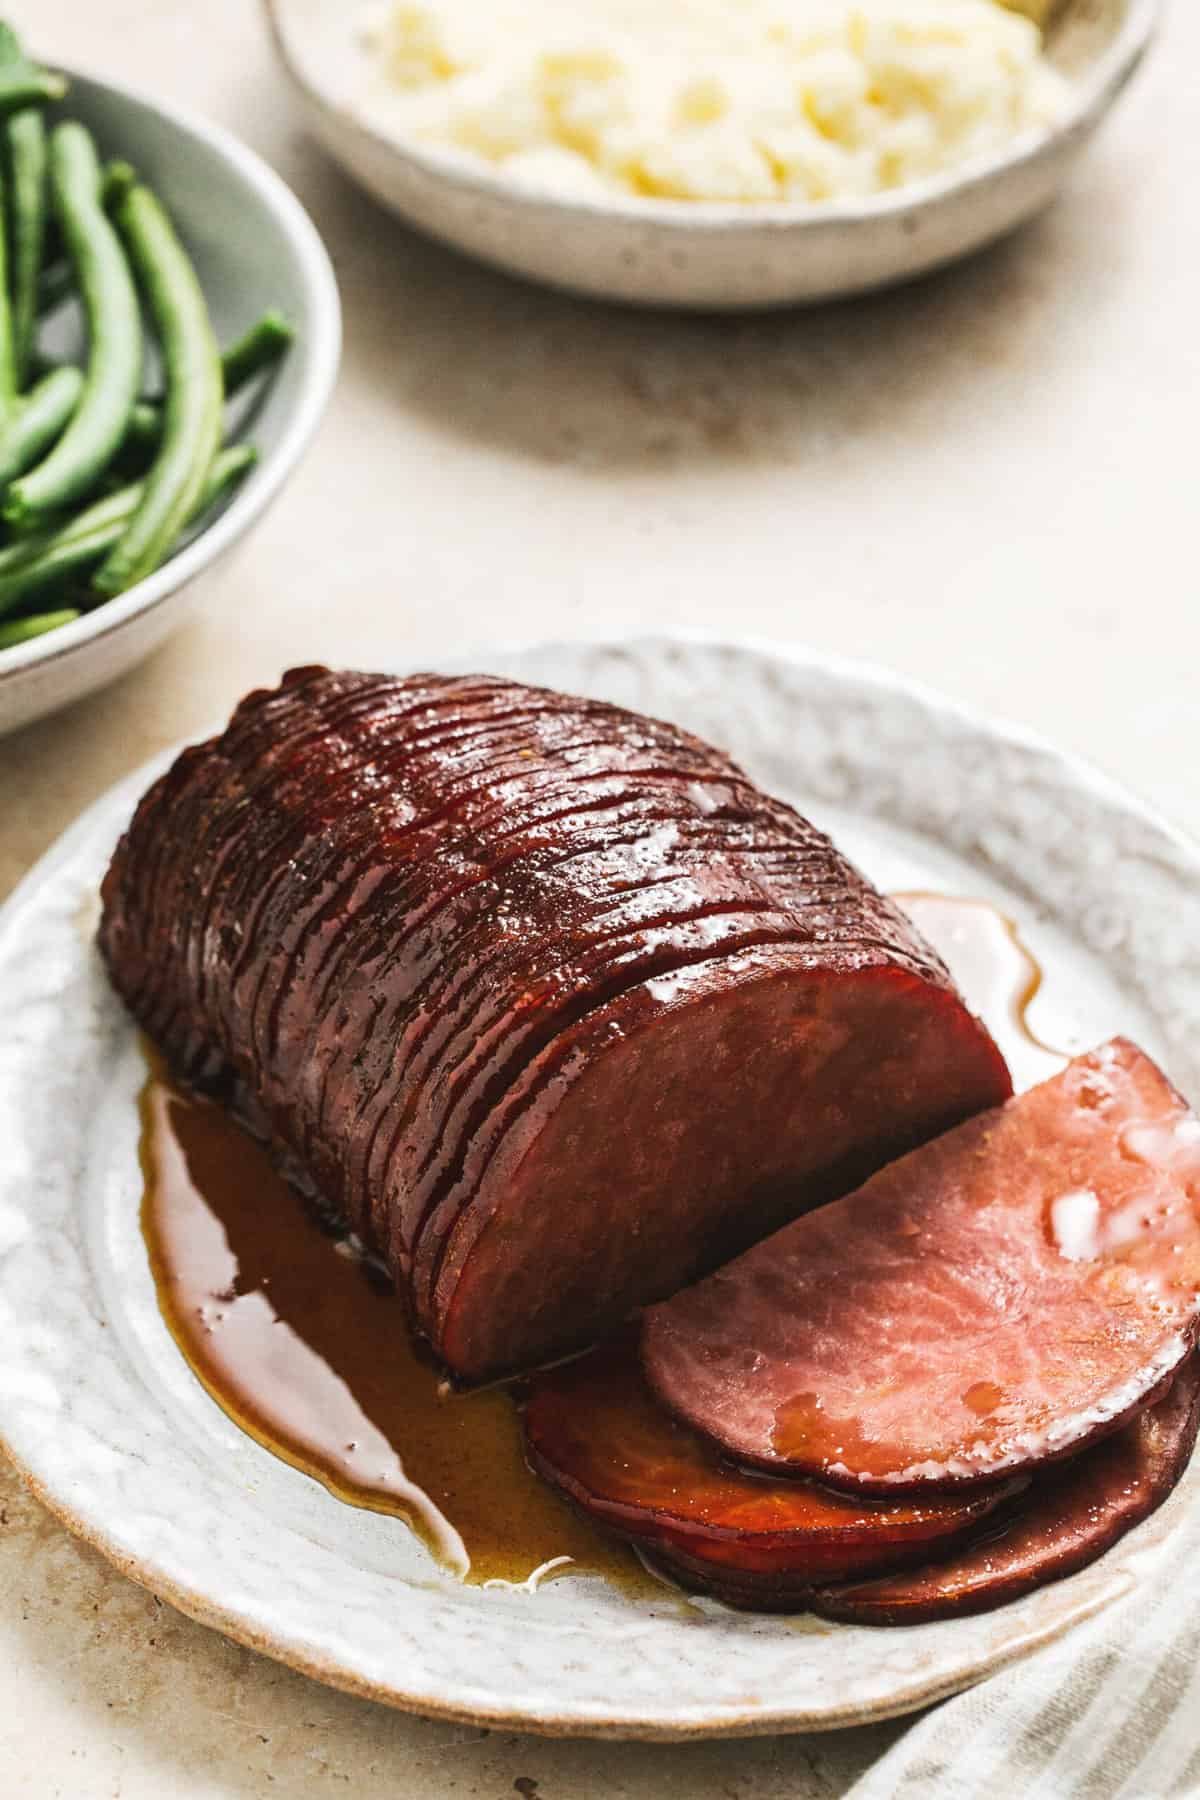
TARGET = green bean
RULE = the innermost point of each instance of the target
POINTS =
(114, 327)
(24, 183)
(27, 158)
(40, 420)
(256, 351)
(74, 554)
(8, 361)
(19, 631)
(145, 428)
(38, 564)
(192, 410)
(113, 509)
(21, 84)
(112, 512)
(253, 353)
(117, 179)
(260, 348)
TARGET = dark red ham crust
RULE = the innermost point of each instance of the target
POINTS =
(544, 998)
(990, 1302)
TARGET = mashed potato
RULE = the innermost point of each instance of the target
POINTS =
(743, 100)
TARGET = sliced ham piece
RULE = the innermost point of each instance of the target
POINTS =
(594, 1430)
(1072, 1514)
(545, 999)
(988, 1303)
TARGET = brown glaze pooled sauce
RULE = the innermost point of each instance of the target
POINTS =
(305, 1346)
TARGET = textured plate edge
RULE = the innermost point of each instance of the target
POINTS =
(791, 1722)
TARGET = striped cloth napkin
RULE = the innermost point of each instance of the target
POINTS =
(1111, 1712)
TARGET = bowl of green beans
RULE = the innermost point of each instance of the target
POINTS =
(169, 336)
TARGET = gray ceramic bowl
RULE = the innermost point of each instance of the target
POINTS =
(672, 253)
(254, 247)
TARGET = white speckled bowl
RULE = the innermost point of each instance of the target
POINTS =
(254, 247)
(109, 1426)
(674, 253)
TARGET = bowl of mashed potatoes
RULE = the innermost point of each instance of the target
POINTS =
(712, 153)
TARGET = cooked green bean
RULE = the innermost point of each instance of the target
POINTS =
(39, 421)
(256, 351)
(27, 166)
(240, 363)
(113, 511)
(8, 361)
(194, 396)
(260, 348)
(114, 327)
(74, 554)
(144, 429)
(19, 631)
(15, 240)
(21, 84)
(73, 228)
(115, 182)
(49, 560)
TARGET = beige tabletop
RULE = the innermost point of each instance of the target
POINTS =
(989, 480)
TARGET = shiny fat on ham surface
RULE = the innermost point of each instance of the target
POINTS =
(546, 1000)
(988, 1303)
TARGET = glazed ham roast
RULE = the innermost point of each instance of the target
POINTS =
(546, 1000)
(560, 1013)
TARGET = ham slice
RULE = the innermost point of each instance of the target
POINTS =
(990, 1302)
(1073, 1513)
(593, 1429)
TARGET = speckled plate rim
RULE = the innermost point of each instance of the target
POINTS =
(1093, 95)
(1144, 868)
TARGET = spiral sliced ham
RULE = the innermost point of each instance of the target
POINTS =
(546, 1000)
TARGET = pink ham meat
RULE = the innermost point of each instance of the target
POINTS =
(988, 1303)
(545, 999)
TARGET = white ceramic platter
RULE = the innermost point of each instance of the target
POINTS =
(112, 1431)
(680, 253)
